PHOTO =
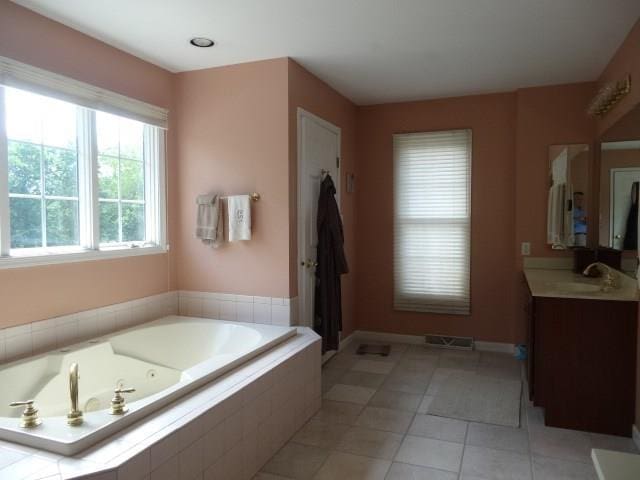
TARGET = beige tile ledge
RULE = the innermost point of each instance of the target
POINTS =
(137, 450)
(546, 283)
(616, 465)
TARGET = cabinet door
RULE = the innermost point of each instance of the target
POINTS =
(530, 318)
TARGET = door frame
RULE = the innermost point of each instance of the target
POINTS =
(302, 173)
(612, 175)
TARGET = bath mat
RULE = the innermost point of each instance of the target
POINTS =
(476, 398)
(365, 348)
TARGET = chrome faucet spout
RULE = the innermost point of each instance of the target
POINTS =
(74, 417)
(609, 275)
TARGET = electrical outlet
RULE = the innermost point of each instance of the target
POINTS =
(525, 248)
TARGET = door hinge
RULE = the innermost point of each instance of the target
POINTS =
(337, 162)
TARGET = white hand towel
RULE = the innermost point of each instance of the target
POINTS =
(209, 220)
(239, 207)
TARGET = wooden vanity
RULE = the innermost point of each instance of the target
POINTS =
(582, 352)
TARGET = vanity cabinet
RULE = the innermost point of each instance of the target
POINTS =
(582, 362)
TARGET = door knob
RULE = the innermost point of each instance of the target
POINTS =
(308, 263)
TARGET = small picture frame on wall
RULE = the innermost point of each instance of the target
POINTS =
(351, 179)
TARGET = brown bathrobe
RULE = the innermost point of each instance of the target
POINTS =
(331, 264)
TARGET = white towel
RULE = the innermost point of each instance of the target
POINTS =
(239, 208)
(209, 220)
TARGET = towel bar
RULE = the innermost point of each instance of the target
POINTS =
(255, 196)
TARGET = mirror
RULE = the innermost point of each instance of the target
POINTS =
(569, 195)
(620, 184)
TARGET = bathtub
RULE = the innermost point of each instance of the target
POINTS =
(163, 360)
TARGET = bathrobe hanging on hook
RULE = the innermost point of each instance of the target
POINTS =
(331, 264)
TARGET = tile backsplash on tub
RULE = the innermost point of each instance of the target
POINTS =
(37, 337)
(239, 308)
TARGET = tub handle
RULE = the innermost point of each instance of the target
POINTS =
(118, 403)
(29, 418)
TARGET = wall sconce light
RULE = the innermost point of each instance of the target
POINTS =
(608, 96)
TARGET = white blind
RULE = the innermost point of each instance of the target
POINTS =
(432, 182)
(23, 76)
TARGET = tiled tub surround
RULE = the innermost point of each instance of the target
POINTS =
(374, 425)
(225, 430)
(239, 308)
(163, 360)
(41, 336)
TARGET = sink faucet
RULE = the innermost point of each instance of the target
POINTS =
(74, 417)
(610, 277)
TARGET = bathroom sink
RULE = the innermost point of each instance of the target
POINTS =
(577, 287)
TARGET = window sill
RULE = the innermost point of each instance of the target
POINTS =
(72, 255)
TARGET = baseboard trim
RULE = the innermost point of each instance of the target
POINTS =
(635, 434)
(366, 335)
(344, 343)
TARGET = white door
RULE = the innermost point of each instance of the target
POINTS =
(622, 180)
(318, 154)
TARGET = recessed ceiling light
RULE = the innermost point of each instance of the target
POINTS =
(202, 42)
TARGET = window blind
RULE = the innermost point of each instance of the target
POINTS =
(432, 219)
(23, 76)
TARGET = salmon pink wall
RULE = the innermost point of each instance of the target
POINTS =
(310, 93)
(492, 120)
(232, 129)
(545, 116)
(29, 294)
(626, 61)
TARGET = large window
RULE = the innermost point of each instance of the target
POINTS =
(432, 182)
(75, 179)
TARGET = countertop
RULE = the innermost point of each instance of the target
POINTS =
(556, 283)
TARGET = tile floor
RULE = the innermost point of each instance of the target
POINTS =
(373, 425)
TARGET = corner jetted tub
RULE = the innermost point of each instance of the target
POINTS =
(163, 360)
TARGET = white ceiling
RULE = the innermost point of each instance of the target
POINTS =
(372, 51)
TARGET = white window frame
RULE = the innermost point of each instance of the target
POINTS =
(89, 213)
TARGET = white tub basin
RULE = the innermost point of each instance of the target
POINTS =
(162, 360)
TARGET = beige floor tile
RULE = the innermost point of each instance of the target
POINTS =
(404, 471)
(422, 351)
(320, 434)
(269, 476)
(501, 438)
(296, 461)
(459, 360)
(407, 382)
(396, 400)
(440, 428)
(385, 419)
(417, 365)
(440, 375)
(363, 379)
(613, 442)
(370, 443)
(424, 404)
(338, 412)
(495, 464)
(560, 443)
(353, 467)
(373, 366)
(331, 376)
(428, 452)
(535, 415)
(342, 360)
(545, 468)
(349, 393)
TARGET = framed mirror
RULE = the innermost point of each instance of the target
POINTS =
(568, 218)
(619, 183)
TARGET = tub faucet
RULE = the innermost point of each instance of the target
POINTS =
(609, 277)
(74, 417)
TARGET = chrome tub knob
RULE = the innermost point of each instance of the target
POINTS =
(118, 403)
(29, 418)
